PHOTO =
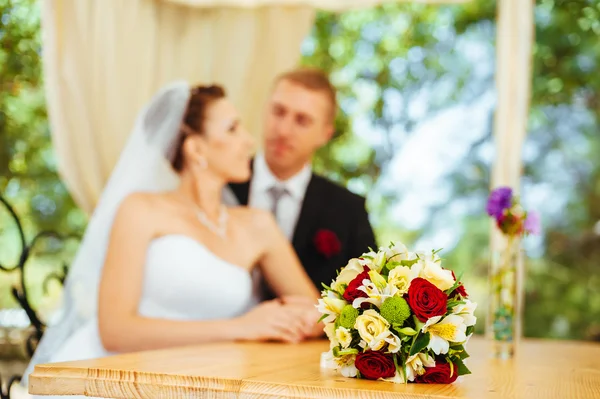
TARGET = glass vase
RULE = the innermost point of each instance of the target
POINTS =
(504, 320)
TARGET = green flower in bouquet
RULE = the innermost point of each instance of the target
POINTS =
(395, 310)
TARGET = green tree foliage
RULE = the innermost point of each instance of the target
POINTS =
(28, 175)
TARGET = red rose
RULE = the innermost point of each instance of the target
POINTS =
(460, 290)
(374, 365)
(510, 224)
(426, 300)
(352, 292)
(327, 243)
(439, 374)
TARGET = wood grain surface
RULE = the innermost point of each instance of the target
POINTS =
(542, 369)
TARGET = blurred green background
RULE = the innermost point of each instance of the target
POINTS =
(416, 86)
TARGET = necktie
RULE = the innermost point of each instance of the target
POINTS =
(276, 193)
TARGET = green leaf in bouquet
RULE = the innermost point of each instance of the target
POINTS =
(419, 343)
(408, 263)
(406, 330)
(400, 366)
(322, 318)
(458, 351)
(337, 352)
(470, 330)
(456, 284)
(391, 265)
(462, 369)
(328, 288)
(418, 323)
(452, 303)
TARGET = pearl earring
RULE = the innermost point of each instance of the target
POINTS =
(202, 163)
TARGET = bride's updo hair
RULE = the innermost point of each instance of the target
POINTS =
(201, 97)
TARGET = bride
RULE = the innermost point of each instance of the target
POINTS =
(163, 263)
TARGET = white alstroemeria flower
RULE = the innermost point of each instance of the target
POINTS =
(376, 296)
(329, 330)
(466, 311)
(400, 277)
(376, 262)
(343, 336)
(415, 365)
(396, 379)
(398, 252)
(451, 329)
(348, 273)
(394, 343)
(344, 364)
(330, 306)
(432, 271)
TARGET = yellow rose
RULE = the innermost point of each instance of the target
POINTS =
(372, 328)
(431, 270)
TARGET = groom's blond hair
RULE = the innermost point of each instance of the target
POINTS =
(313, 79)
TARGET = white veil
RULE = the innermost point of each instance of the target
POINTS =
(142, 166)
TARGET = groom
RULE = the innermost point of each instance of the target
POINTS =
(326, 224)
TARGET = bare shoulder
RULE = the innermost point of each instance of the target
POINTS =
(138, 201)
(137, 206)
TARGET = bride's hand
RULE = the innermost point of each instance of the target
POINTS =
(272, 320)
(310, 314)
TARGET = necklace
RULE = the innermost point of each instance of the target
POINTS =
(220, 228)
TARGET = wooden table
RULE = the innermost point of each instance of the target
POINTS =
(543, 369)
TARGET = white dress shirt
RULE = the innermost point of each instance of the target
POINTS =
(290, 204)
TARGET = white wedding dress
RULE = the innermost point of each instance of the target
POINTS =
(183, 280)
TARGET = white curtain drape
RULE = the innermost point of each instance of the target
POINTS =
(104, 59)
(333, 5)
(513, 85)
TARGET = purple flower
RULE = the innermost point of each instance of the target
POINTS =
(499, 200)
(533, 224)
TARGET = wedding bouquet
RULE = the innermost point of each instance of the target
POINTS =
(397, 316)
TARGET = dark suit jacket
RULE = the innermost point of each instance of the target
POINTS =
(330, 207)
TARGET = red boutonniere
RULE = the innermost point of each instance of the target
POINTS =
(327, 243)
